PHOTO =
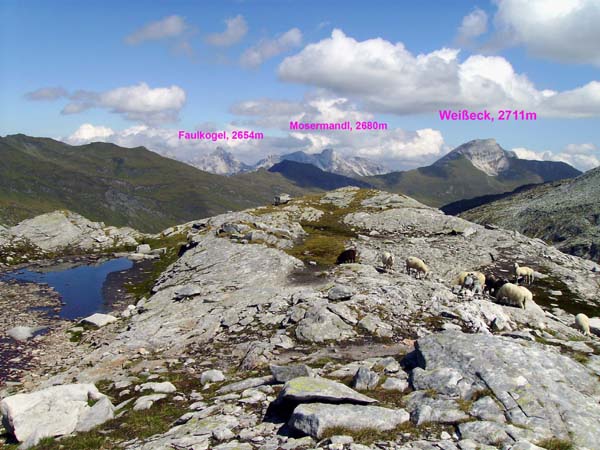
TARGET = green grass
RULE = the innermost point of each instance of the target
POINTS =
(556, 444)
(327, 236)
(172, 244)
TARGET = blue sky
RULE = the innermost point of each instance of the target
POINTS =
(136, 72)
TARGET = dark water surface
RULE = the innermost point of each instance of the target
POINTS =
(80, 287)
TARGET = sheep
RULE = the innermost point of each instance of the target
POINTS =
(583, 323)
(463, 276)
(347, 256)
(527, 272)
(513, 295)
(492, 284)
(388, 260)
(185, 247)
(416, 264)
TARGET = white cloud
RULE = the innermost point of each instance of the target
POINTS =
(90, 133)
(561, 30)
(268, 48)
(236, 29)
(46, 93)
(139, 102)
(472, 26)
(386, 77)
(168, 27)
(582, 156)
(396, 147)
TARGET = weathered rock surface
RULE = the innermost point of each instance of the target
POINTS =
(546, 392)
(99, 320)
(21, 333)
(54, 411)
(61, 229)
(244, 306)
(308, 389)
(315, 418)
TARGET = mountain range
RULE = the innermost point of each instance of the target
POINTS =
(223, 162)
(120, 186)
(479, 167)
(139, 188)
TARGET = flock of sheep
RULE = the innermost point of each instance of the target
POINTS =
(505, 292)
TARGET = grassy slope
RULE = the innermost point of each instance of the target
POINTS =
(120, 186)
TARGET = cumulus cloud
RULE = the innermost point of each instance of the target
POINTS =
(472, 26)
(139, 102)
(236, 29)
(46, 93)
(89, 133)
(386, 77)
(268, 48)
(399, 149)
(168, 27)
(561, 30)
(396, 147)
(582, 156)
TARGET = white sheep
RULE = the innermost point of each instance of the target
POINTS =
(387, 260)
(416, 264)
(527, 272)
(513, 295)
(583, 323)
(463, 276)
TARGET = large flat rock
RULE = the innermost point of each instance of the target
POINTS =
(315, 418)
(55, 411)
(309, 389)
(537, 388)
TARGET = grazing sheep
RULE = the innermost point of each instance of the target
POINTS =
(513, 295)
(387, 260)
(583, 323)
(416, 264)
(185, 247)
(492, 284)
(347, 256)
(477, 286)
(463, 278)
(526, 272)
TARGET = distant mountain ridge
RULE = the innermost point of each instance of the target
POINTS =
(120, 186)
(308, 175)
(220, 162)
(476, 168)
(223, 162)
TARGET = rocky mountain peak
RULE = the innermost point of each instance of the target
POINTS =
(219, 161)
(485, 154)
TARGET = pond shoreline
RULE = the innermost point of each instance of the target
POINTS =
(38, 304)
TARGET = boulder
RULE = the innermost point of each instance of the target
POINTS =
(365, 379)
(23, 333)
(316, 418)
(339, 292)
(160, 388)
(211, 376)
(144, 249)
(282, 374)
(307, 389)
(147, 401)
(99, 320)
(55, 411)
(320, 325)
